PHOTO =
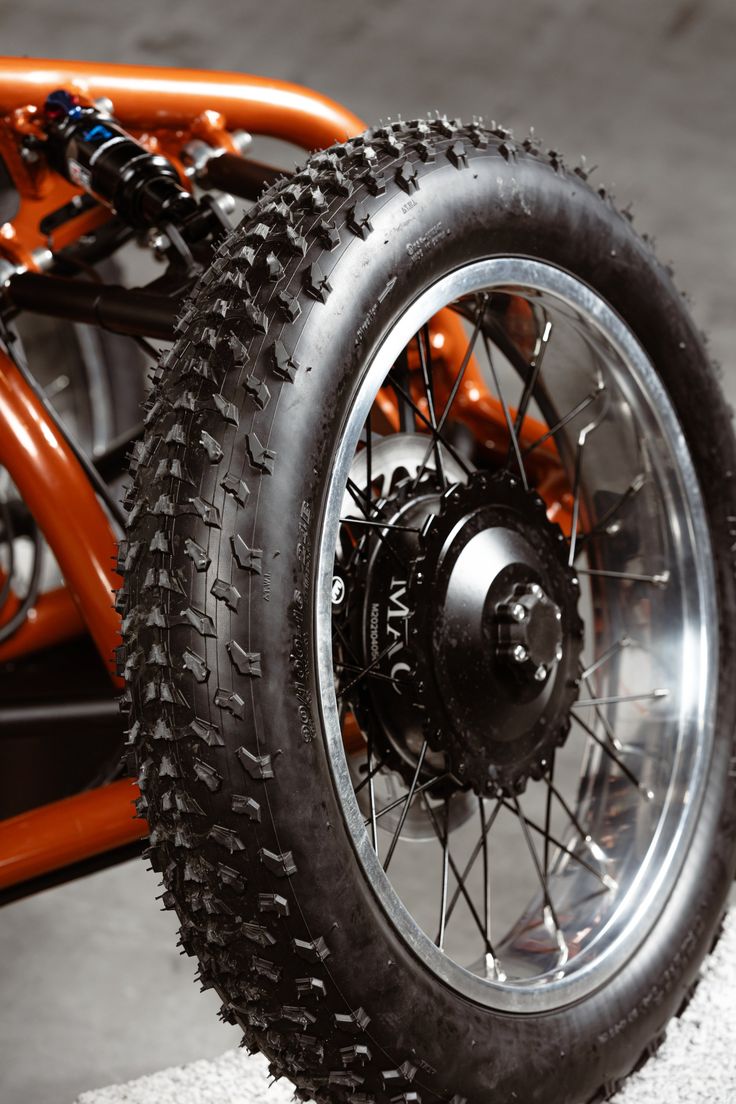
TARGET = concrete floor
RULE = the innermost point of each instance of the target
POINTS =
(92, 984)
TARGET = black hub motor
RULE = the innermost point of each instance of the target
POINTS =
(469, 618)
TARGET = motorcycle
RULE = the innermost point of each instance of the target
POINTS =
(419, 601)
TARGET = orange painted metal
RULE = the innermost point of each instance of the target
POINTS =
(53, 619)
(63, 503)
(68, 831)
(164, 108)
(150, 98)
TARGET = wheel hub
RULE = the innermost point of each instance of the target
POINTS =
(470, 620)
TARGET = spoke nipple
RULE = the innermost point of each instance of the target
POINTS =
(541, 673)
(558, 615)
(648, 794)
(610, 883)
(558, 652)
(596, 851)
(662, 579)
(614, 528)
(660, 693)
(520, 654)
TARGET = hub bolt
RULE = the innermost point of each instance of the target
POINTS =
(520, 654)
(518, 612)
(541, 673)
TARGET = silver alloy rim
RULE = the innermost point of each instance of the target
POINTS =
(684, 618)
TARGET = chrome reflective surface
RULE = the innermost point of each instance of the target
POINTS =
(631, 775)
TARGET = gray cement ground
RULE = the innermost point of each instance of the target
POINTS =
(92, 985)
(696, 1064)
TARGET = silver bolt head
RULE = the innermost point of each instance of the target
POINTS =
(520, 654)
(226, 202)
(536, 590)
(242, 141)
(518, 612)
(541, 673)
(558, 652)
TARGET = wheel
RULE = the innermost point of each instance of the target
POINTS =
(427, 628)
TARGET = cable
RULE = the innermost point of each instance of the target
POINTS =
(27, 603)
(9, 537)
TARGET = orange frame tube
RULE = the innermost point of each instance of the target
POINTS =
(63, 503)
(147, 97)
(67, 831)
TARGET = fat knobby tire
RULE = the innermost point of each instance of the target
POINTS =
(245, 827)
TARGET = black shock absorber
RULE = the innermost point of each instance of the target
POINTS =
(92, 150)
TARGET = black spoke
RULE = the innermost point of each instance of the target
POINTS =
(400, 374)
(513, 439)
(616, 699)
(605, 746)
(609, 653)
(660, 580)
(482, 844)
(486, 871)
(534, 827)
(353, 668)
(371, 793)
(367, 507)
(601, 716)
(438, 438)
(372, 772)
(453, 868)
(581, 406)
(634, 487)
(535, 858)
(369, 457)
(455, 387)
(585, 836)
(407, 802)
(425, 362)
(549, 779)
(531, 381)
(419, 790)
(369, 523)
(445, 871)
(337, 628)
(371, 666)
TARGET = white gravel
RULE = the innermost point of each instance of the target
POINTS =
(696, 1065)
